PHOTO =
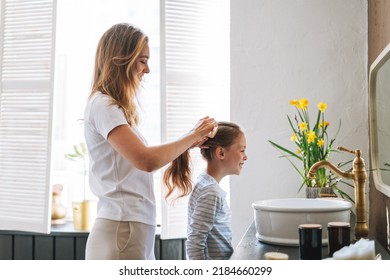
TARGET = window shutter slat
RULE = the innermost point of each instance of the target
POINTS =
(26, 80)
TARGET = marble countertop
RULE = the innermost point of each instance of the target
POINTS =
(250, 248)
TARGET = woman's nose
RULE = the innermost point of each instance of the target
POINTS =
(146, 69)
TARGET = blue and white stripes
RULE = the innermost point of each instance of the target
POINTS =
(209, 234)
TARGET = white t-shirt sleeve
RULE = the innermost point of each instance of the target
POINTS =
(106, 116)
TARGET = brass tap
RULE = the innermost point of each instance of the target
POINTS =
(359, 177)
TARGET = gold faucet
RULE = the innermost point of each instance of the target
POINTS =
(359, 176)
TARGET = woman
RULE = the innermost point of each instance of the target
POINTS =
(120, 160)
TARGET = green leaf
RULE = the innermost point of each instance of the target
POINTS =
(292, 126)
(280, 148)
(285, 150)
(79, 153)
(343, 194)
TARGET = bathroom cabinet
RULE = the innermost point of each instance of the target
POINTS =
(66, 243)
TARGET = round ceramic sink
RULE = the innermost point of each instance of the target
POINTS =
(277, 220)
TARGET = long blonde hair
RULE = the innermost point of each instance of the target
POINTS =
(115, 72)
(178, 174)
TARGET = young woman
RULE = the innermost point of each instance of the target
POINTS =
(121, 162)
(209, 216)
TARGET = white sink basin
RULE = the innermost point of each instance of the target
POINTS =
(277, 220)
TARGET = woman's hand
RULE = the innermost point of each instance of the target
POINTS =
(150, 158)
(204, 129)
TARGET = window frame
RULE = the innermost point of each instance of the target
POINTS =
(26, 99)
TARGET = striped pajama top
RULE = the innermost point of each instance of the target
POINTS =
(209, 234)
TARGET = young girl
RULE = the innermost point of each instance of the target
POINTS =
(209, 216)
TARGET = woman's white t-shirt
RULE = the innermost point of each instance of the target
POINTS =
(125, 193)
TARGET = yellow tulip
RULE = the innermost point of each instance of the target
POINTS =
(303, 126)
(323, 124)
(311, 136)
(322, 106)
(303, 103)
(294, 137)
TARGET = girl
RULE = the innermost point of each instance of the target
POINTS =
(209, 233)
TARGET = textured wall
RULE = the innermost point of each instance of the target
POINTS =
(283, 50)
(378, 38)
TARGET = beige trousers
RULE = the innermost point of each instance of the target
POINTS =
(116, 240)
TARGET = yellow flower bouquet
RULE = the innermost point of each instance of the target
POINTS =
(313, 145)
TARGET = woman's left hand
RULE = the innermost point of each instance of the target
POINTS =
(203, 128)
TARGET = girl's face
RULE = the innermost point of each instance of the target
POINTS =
(235, 156)
(142, 62)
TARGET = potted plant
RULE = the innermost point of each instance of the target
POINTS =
(313, 144)
(84, 210)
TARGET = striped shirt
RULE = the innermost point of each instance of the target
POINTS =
(209, 234)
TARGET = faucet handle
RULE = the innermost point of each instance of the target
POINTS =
(346, 150)
(357, 153)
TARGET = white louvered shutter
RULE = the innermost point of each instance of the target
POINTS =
(195, 81)
(27, 31)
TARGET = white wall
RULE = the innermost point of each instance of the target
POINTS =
(288, 49)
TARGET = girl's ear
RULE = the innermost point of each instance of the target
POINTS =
(220, 153)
